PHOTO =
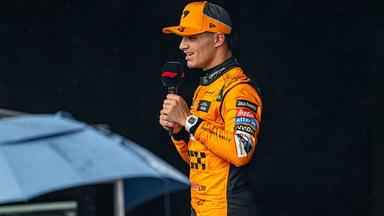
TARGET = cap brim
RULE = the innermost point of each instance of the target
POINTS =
(181, 30)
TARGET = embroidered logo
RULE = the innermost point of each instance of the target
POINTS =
(248, 121)
(247, 104)
(204, 106)
(245, 113)
(243, 144)
(185, 13)
(245, 128)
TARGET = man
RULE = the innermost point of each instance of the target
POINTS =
(217, 136)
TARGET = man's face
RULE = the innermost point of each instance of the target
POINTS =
(199, 50)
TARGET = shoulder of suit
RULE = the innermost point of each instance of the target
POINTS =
(237, 76)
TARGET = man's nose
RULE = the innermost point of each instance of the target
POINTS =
(182, 45)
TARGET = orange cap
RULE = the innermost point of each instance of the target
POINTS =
(199, 17)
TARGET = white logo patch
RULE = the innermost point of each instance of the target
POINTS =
(243, 143)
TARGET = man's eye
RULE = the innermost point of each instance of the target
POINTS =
(191, 38)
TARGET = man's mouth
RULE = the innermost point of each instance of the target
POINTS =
(188, 55)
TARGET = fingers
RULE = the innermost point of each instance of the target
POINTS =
(163, 123)
(169, 105)
(163, 120)
(171, 100)
(173, 96)
(175, 109)
(163, 112)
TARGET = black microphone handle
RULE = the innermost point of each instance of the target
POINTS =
(171, 90)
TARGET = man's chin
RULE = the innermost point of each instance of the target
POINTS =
(192, 66)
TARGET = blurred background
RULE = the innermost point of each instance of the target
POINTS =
(318, 63)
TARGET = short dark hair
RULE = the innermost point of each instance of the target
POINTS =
(231, 40)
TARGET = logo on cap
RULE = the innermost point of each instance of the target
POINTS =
(181, 29)
(199, 17)
(185, 13)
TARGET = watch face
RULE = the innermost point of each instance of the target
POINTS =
(192, 120)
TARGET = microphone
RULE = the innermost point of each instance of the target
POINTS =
(171, 75)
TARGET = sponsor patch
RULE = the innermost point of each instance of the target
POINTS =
(245, 113)
(247, 104)
(243, 143)
(198, 187)
(243, 120)
(204, 106)
(245, 128)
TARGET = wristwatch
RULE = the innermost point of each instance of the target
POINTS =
(190, 122)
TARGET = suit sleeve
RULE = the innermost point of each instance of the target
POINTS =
(181, 143)
(236, 142)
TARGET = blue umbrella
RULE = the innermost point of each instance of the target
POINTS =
(45, 153)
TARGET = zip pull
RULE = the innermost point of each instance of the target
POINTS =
(220, 95)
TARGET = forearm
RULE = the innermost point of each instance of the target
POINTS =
(225, 143)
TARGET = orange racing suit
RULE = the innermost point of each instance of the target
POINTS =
(223, 141)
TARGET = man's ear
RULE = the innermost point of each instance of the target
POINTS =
(219, 38)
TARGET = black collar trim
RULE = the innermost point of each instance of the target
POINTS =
(214, 73)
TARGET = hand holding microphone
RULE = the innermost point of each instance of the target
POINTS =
(175, 109)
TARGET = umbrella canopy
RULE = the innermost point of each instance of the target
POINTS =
(44, 153)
